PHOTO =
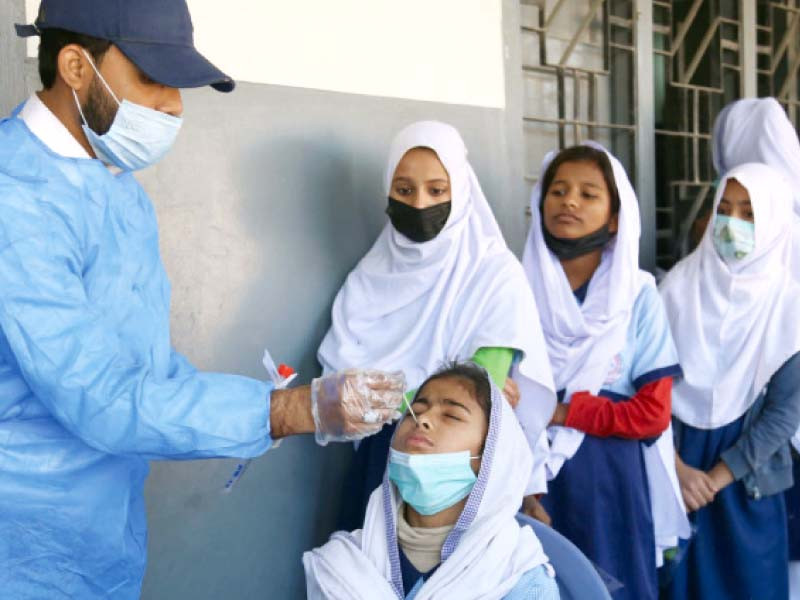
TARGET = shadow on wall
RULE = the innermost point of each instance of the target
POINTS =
(316, 221)
(259, 232)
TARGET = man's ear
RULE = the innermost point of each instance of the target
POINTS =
(613, 223)
(74, 68)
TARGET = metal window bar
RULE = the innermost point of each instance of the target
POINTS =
(583, 117)
(779, 54)
(703, 64)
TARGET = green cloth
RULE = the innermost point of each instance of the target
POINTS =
(497, 361)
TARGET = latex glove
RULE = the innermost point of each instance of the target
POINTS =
(353, 404)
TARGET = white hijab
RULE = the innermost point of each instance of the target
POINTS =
(411, 306)
(735, 325)
(758, 130)
(582, 340)
(484, 556)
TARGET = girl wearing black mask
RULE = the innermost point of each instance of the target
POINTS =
(438, 284)
(613, 489)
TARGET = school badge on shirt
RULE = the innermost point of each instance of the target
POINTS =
(614, 370)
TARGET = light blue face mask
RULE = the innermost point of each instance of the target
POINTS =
(138, 137)
(733, 238)
(429, 483)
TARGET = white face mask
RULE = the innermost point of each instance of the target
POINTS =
(139, 136)
(733, 238)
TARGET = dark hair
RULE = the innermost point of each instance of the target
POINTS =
(475, 375)
(53, 42)
(583, 154)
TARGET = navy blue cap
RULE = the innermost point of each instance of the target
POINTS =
(156, 35)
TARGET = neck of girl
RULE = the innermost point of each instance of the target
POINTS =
(580, 269)
(443, 518)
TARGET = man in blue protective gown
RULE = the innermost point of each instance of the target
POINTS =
(90, 388)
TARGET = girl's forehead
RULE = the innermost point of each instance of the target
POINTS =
(454, 386)
(421, 157)
(424, 165)
(735, 190)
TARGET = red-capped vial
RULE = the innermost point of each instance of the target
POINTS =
(285, 371)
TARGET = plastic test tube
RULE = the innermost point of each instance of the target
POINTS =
(283, 376)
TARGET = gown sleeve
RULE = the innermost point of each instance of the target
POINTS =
(71, 357)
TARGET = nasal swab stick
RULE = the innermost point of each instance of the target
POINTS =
(410, 410)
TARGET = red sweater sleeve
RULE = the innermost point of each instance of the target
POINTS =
(643, 416)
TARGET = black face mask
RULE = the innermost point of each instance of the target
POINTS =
(566, 248)
(418, 224)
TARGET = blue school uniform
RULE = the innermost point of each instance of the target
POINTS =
(716, 550)
(740, 547)
(792, 499)
(600, 499)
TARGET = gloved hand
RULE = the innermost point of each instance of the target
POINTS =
(355, 403)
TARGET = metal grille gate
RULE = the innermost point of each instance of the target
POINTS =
(648, 78)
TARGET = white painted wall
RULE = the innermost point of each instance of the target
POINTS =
(31, 10)
(447, 51)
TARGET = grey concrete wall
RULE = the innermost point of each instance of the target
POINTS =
(12, 56)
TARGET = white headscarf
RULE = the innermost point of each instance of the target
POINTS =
(758, 130)
(735, 325)
(484, 556)
(582, 339)
(411, 305)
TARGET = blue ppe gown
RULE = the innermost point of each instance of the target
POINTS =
(90, 388)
